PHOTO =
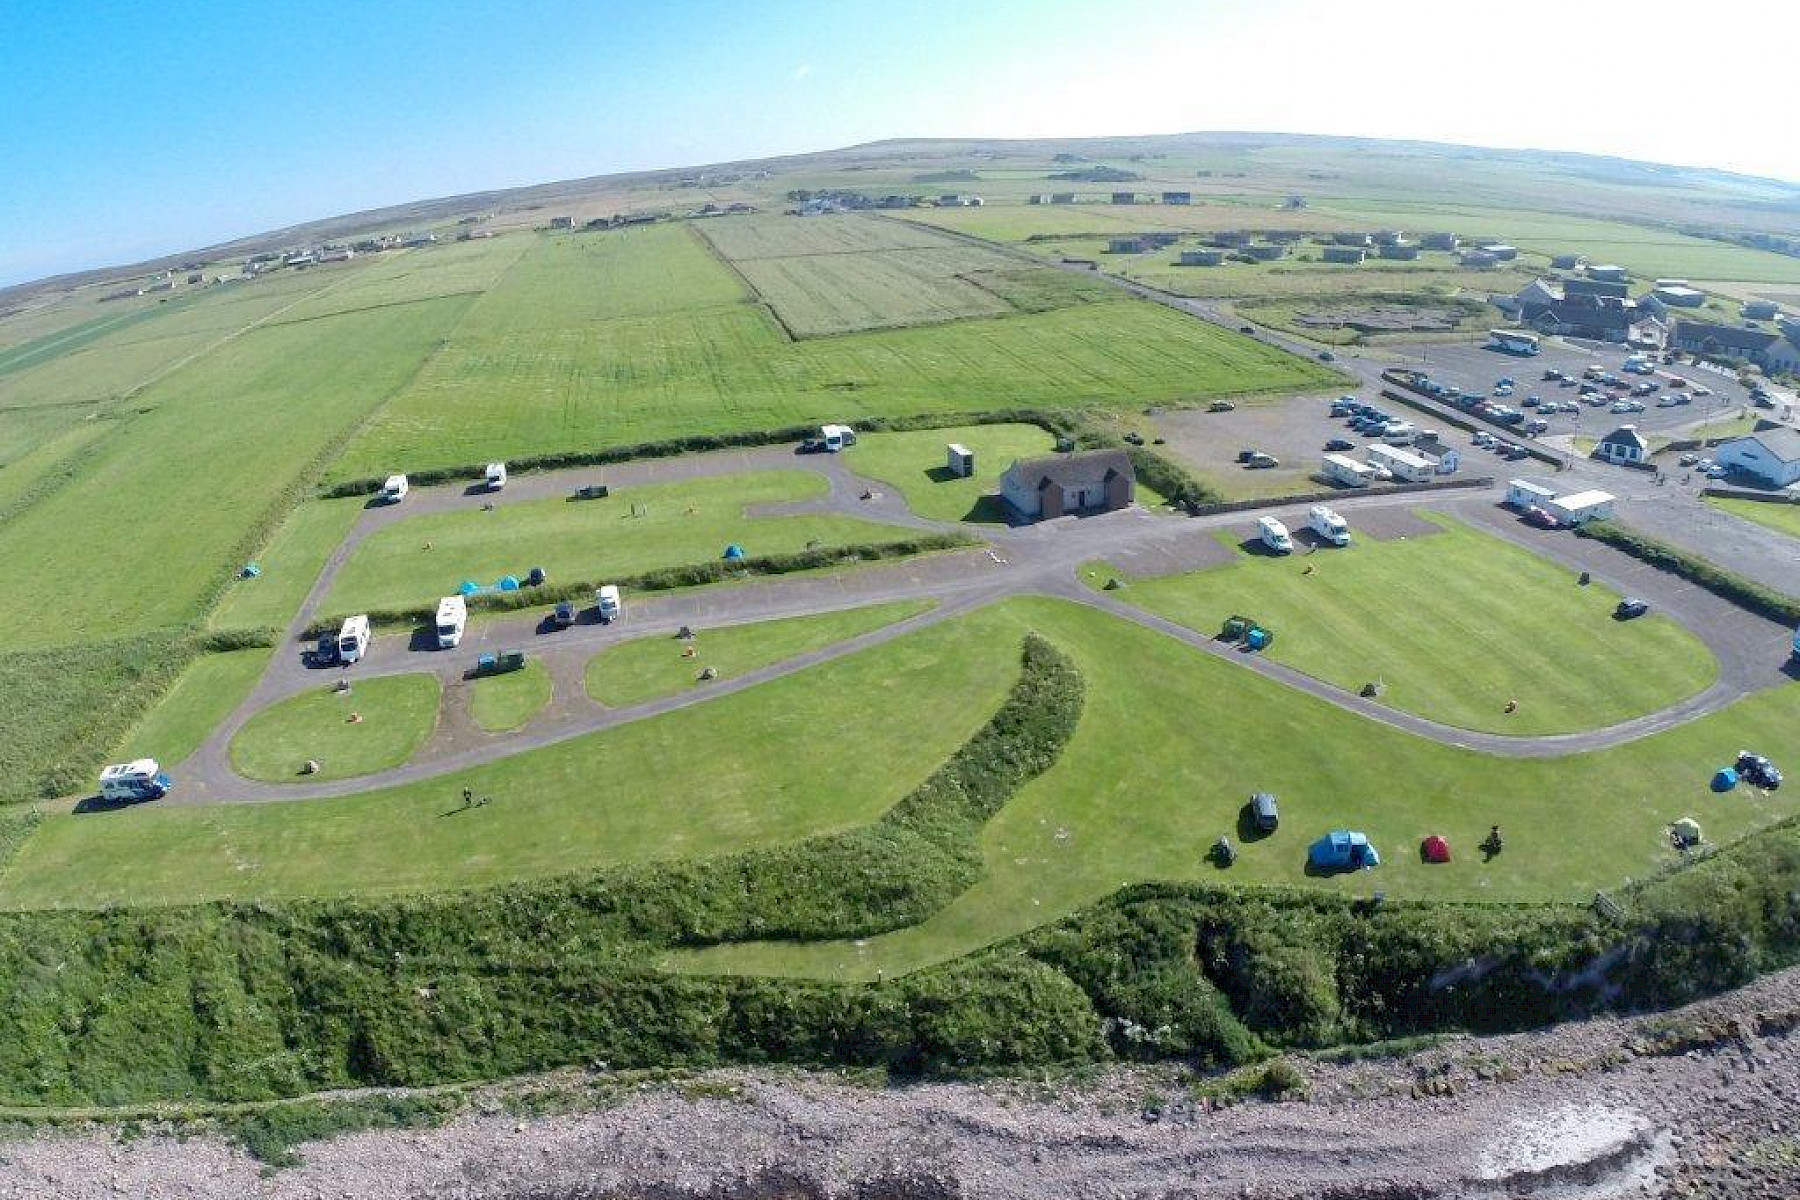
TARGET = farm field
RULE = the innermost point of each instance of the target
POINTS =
(290, 564)
(649, 668)
(398, 713)
(255, 411)
(1024, 222)
(913, 462)
(1494, 623)
(618, 338)
(737, 772)
(501, 703)
(406, 276)
(1138, 796)
(1783, 518)
(414, 561)
(203, 695)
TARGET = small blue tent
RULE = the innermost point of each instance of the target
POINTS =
(734, 551)
(1725, 779)
(508, 583)
(469, 587)
(1343, 850)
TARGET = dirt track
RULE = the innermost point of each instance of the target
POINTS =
(1705, 1101)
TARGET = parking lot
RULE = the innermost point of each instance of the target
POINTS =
(1294, 429)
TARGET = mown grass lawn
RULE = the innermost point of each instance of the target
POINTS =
(647, 668)
(631, 531)
(914, 464)
(1173, 742)
(1451, 626)
(398, 713)
(204, 694)
(501, 703)
(825, 749)
(1782, 518)
(290, 564)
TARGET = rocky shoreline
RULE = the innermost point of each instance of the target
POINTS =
(1704, 1101)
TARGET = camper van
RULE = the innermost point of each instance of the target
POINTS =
(836, 437)
(1328, 525)
(606, 600)
(353, 639)
(394, 490)
(142, 779)
(1275, 535)
(496, 476)
(452, 617)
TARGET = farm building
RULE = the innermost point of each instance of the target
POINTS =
(1502, 252)
(1760, 310)
(1177, 197)
(1062, 197)
(1477, 258)
(1353, 255)
(1202, 258)
(1266, 251)
(1567, 262)
(336, 254)
(1350, 239)
(1623, 445)
(1608, 273)
(1232, 239)
(1676, 296)
(1527, 493)
(1771, 457)
(1402, 463)
(1087, 482)
(950, 200)
(1578, 508)
(1158, 241)
(1440, 241)
(1345, 471)
(1616, 289)
(1400, 252)
(1127, 245)
(562, 222)
(1124, 197)
(1035, 198)
(1389, 237)
(1770, 351)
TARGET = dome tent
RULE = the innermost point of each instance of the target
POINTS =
(734, 552)
(1725, 779)
(1342, 850)
(1435, 849)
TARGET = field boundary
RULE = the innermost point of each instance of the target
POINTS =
(753, 294)
(1726, 584)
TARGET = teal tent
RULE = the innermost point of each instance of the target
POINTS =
(1342, 850)
(734, 552)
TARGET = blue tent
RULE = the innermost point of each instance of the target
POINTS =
(734, 551)
(1725, 779)
(508, 583)
(1343, 850)
(469, 587)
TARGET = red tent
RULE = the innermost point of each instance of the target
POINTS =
(1436, 849)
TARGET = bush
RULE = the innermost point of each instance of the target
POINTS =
(1729, 585)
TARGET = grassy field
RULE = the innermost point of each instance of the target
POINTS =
(290, 564)
(914, 464)
(739, 772)
(203, 695)
(651, 667)
(634, 336)
(158, 516)
(1173, 742)
(1483, 622)
(501, 703)
(398, 713)
(629, 532)
(1783, 518)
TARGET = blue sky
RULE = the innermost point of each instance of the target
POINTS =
(131, 130)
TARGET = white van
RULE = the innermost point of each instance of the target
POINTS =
(1322, 520)
(606, 599)
(140, 779)
(496, 476)
(394, 490)
(353, 639)
(452, 617)
(1275, 535)
(836, 437)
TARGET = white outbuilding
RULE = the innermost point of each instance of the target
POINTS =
(1578, 508)
(1529, 493)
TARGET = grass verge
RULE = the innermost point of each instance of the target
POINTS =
(377, 724)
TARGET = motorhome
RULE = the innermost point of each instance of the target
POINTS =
(836, 437)
(353, 639)
(1275, 535)
(452, 619)
(496, 476)
(606, 600)
(394, 490)
(1330, 527)
(141, 779)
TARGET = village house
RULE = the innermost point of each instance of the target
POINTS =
(1039, 489)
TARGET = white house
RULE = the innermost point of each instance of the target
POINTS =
(1623, 445)
(1445, 457)
(1771, 457)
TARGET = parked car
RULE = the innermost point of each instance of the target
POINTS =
(1484, 439)
(1541, 517)
(1630, 607)
(1260, 461)
(1221, 406)
(1244, 456)
(1758, 770)
(563, 615)
(1717, 471)
(1536, 426)
(326, 652)
(1263, 813)
(1553, 375)
(1250, 329)
(1343, 405)
(1700, 390)
(1327, 356)
(1688, 460)
(1339, 445)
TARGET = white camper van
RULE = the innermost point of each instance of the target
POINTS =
(1275, 535)
(452, 618)
(606, 599)
(1330, 527)
(837, 437)
(140, 779)
(496, 476)
(353, 639)
(394, 490)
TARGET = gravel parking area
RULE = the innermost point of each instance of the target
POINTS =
(1293, 428)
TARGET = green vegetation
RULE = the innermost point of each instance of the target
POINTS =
(914, 463)
(648, 668)
(736, 773)
(1742, 591)
(631, 532)
(1782, 518)
(290, 564)
(377, 724)
(203, 695)
(502, 703)
(644, 334)
(1495, 623)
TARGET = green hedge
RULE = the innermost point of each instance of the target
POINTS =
(1729, 585)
